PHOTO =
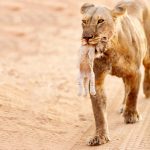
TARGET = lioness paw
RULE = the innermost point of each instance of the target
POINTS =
(131, 116)
(98, 140)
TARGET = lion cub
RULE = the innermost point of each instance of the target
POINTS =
(86, 74)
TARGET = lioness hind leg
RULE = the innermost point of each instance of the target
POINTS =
(127, 90)
(146, 83)
(146, 61)
(130, 113)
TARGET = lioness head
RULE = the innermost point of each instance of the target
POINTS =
(98, 23)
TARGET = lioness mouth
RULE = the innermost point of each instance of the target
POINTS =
(99, 43)
(94, 40)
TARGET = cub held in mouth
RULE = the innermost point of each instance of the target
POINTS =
(86, 75)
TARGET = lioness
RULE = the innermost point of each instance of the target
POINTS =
(122, 35)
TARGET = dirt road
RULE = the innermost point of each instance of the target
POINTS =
(39, 106)
(123, 136)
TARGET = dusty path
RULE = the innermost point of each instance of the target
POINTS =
(123, 136)
(39, 106)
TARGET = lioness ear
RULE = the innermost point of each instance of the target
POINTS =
(119, 10)
(85, 7)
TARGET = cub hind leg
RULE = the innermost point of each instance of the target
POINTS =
(86, 85)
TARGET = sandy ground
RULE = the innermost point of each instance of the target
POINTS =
(39, 106)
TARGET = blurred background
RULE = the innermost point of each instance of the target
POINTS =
(39, 106)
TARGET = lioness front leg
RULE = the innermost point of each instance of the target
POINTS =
(99, 110)
(130, 113)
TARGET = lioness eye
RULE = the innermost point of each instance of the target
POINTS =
(100, 20)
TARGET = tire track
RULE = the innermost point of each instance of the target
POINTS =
(134, 139)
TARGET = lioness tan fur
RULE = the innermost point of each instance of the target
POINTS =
(122, 35)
